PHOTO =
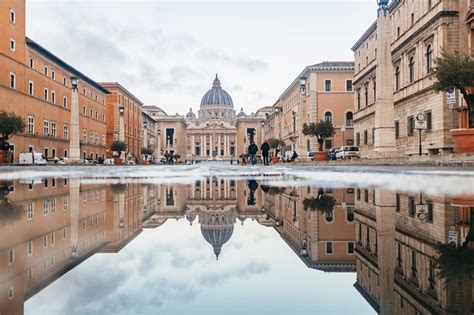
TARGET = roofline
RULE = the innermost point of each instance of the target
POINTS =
(40, 49)
(372, 28)
(144, 107)
(118, 85)
(316, 67)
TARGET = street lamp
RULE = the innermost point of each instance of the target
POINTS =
(420, 124)
(302, 84)
(74, 82)
(121, 110)
(74, 142)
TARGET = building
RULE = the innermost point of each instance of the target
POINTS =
(320, 92)
(35, 84)
(121, 104)
(394, 61)
(150, 134)
(215, 133)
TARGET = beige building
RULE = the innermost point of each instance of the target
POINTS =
(394, 62)
(215, 133)
(320, 92)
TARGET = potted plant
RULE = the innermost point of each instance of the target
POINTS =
(322, 202)
(275, 144)
(321, 130)
(146, 152)
(457, 71)
(10, 124)
(119, 147)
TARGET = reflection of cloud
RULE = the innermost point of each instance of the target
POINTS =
(244, 62)
(250, 269)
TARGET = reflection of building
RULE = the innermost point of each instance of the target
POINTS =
(321, 92)
(323, 240)
(394, 62)
(216, 132)
(397, 270)
(36, 85)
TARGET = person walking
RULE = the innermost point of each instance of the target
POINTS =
(265, 147)
(252, 150)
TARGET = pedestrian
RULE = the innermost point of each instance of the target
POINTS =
(265, 147)
(294, 156)
(253, 153)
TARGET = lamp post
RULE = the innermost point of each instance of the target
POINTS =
(420, 124)
(121, 128)
(74, 145)
(145, 131)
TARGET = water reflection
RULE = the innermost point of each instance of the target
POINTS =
(411, 253)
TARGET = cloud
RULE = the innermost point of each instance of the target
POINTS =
(243, 62)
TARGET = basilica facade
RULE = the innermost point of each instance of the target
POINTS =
(216, 133)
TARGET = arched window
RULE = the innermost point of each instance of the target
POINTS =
(429, 59)
(329, 216)
(328, 117)
(349, 119)
(397, 78)
(411, 69)
(350, 214)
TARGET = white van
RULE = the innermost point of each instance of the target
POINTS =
(32, 158)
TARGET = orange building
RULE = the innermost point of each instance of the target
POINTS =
(133, 125)
(35, 84)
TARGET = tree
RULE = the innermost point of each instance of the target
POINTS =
(320, 130)
(322, 202)
(9, 212)
(119, 147)
(457, 70)
(147, 152)
(10, 124)
(275, 143)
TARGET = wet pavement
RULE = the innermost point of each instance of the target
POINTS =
(222, 239)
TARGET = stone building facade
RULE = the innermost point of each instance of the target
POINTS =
(215, 133)
(121, 98)
(394, 62)
(320, 92)
(35, 84)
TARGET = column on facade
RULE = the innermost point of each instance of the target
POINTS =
(193, 145)
(226, 145)
(74, 192)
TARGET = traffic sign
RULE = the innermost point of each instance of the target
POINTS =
(453, 238)
(451, 97)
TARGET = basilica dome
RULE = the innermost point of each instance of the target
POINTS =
(217, 96)
(217, 236)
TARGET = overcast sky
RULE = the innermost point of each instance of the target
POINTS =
(167, 53)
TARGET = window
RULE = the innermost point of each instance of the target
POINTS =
(411, 206)
(84, 135)
(412, 18)
(432, 275)
(45, 127)
(12, 80)
(397, 78)
(96, 138)
(350, 247)
(366, 91)
(83, 109)
(429, 124)
(30, 248)
(11, 293)
(12, 16)
(429, 215)
(92, 112)
(64, 80)
(45, 70)
(329, 249)
(65, 101)
(366, 137)
(103, 140)
(31, 88)
(66, 132)
(349, 119)
(96, 115)
(397, 129)
(374, 88)
(65, 203)
(399, 255)
(45, 94)
(327, 85)
(366, 195)
(45, 207)
(397, 202)
(358, 99)
(11, 256)
(429, 59)
(91, 139)
(12, 45)
(53, 129)
(398, 31)
(32, 63)
(103, 116)
(31, 125)
(349, 85)
(411, 69)
(53, 74)
(414, 270)
(30, 213)
(328, 117)
(53, 97)
(357, 138)
(410, 126)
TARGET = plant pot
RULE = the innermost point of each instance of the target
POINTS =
(463, 140)
(463, 201)
(275, 159)
(118, 161)
(320, 156)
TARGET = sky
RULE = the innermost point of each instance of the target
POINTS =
(167, 53)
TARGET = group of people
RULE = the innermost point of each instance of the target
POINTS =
(252, 153)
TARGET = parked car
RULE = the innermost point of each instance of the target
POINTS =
(32, 158)
(348, 152)
(310, 155)
(109, 161)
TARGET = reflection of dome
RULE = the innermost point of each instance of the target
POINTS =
(242, 113)
(217, 236)
(217, 96)
(190, 114)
